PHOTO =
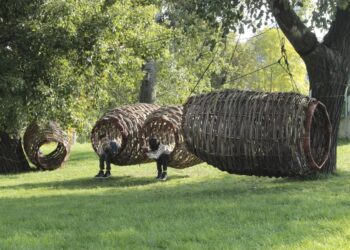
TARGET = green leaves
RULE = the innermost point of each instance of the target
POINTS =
(241, 14)
(68, 60)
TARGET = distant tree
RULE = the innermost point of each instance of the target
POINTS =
(148, 84)
(196, 53)
(195, 46)
(265, 50)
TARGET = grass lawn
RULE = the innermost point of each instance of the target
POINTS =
(197, 208)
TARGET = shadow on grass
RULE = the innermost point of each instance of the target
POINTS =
(342, 142)
(255, 213)
(92, 183)
(14, 175)
(339, 174)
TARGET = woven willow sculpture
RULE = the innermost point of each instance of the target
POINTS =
(123, 124)
(36, 136)
(165, 124)
(255, 133)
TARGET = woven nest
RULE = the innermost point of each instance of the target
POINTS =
(123, 124)
(256, 133)
(165, 125)
(36, 136)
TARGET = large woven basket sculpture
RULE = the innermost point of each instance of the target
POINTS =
(124, 125)
(36, 136)
(165, 124)
(255, 133)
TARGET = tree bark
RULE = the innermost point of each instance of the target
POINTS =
(328, 80)
(12, 158)
(148, 84)
(327, 63)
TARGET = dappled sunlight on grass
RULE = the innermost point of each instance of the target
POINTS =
(199, 207)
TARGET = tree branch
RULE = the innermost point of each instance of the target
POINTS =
(338, 36)
(303, 40)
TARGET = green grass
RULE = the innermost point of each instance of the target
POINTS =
(197, 208)
(48, 148)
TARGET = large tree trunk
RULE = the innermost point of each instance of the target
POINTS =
(148, 84)
(328, 63)
(12, 159)
(328, 80)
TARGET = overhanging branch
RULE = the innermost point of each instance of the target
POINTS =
(303, 40)
(338, 36)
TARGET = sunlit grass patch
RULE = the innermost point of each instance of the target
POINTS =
(197, 208)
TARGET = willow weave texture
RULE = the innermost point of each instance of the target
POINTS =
(124, 125)
(36, 136)
(258, 133)
(165, 125)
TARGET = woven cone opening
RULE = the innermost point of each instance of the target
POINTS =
(165, 125)
(317, 140)
(110, 129)
(35, 137)
(53, 159)
(162, 130)
(123, 124)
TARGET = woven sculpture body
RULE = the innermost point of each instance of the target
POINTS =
(123, 124)
(36, 136)
(165, 124)
(257, 133)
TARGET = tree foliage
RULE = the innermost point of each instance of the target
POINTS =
(65, 60)
(239, 15)
(265, 50)
(229, 60)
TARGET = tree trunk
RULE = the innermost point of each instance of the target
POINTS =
(327, 63)
(148, 84)
(12, 159)
(328, 78)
